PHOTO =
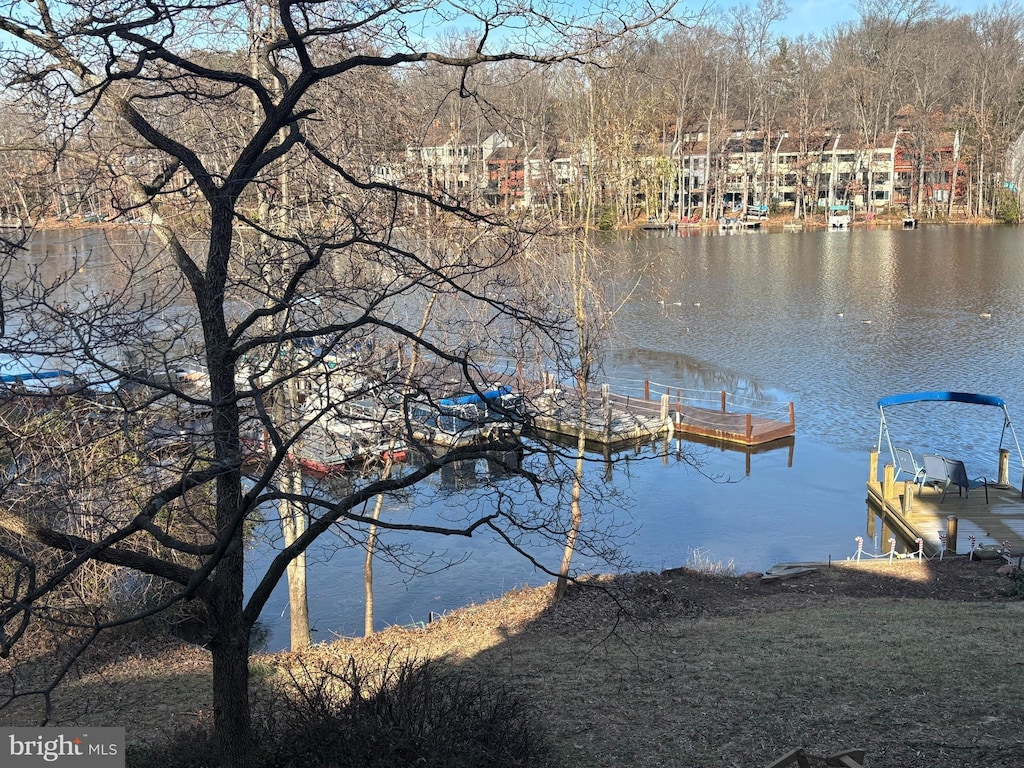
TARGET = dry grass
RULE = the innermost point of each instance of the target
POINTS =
(918, 664)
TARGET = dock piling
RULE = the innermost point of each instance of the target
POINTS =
(951, 533)
(888, 482)
(1004, 467)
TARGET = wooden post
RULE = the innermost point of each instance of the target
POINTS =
(888, 482)
(1004, 467)
(723, 401)
(907, 500)
(792, 415)
(873, 467)
(664, 407)
(750, 428)
(951, 533)
(647, 389)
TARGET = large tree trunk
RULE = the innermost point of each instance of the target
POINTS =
(229, 647)
(230, 632)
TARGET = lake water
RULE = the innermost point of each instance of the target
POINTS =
(829, 320)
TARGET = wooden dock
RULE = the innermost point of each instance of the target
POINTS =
(640, 412)
(616, 418)
(556, 413)
(909, 514)
(731, 426)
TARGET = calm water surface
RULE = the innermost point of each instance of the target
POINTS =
(829, 320)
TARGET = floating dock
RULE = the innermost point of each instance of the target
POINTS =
(614, 418)
(558, 413)
(908, 513)
(638, 412)
(727, 225)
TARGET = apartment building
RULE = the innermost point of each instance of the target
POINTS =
(733, 167)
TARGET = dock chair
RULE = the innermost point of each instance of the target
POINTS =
(907, 465)
(935, 473)
(957, 474)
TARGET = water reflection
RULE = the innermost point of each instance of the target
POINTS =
(829, 320)
(781, 317)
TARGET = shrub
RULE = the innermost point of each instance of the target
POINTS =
(606, 218)
(401, 713)
(1016, 590)
(1007, 206)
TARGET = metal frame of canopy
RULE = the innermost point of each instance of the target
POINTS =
(950, 397)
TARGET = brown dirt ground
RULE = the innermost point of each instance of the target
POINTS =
(652, 669)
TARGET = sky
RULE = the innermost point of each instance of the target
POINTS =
(812, 17)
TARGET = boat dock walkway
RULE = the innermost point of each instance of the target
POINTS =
(716, 415)
(626, 411)
(909, 514)
(651, 411)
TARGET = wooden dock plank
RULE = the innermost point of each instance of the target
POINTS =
(716, 424)
(638, 417)
(1000, 520)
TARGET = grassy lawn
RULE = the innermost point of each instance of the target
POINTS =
(918, 664)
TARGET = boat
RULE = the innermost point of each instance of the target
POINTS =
(468, 417)
(348, 422)
(40, 375)
(839, 217)
(909, 222)
(727, 223)
(17, 376)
